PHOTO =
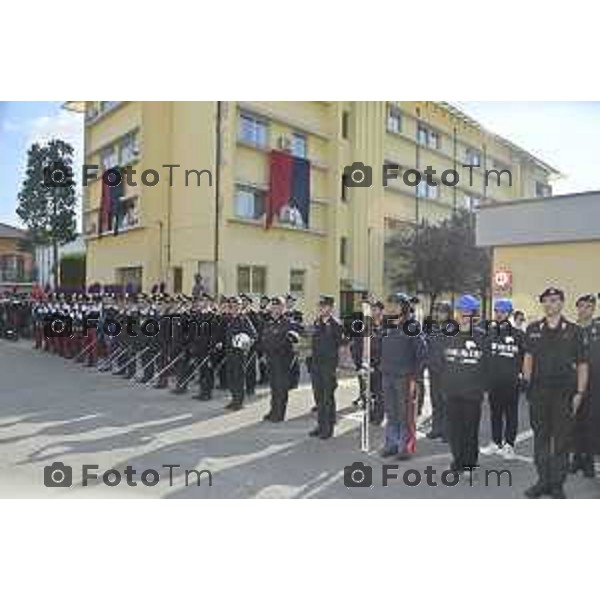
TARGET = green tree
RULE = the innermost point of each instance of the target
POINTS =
(437, 258)
(48, 210)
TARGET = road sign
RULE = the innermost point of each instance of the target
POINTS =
(502, 281)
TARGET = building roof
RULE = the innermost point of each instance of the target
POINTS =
(553, 219)
(8, 231)
(79, 106)
(501, 140)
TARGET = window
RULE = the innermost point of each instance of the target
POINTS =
(249, 202)
(128, 214)
(434, 139)
(473, 157)
(298, 146)
(542, 189)
(177, 280)
(394, 119)
(297, 281)
(106, 105)
(428, 137)
(343, 250)
(471, 202)
(12, 267)
(128, 148)
(251, 279)
(253, 130)
(345, 124)
(424, 190)
(91, 110)
(109, 158)
(97, 108)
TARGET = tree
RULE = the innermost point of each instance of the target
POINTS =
(476, 262)
(46, 202)
(438, 258)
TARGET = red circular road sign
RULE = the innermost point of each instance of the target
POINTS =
(502, 278)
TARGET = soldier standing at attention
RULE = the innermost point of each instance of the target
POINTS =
(297, 317)
(583, 457)
(327, 337)
(506, 358)
(240, 336)
(555, 372)
(279, 335)
(264, 316)
(402, 351)
(435, 367)
(464, 381)
(252, 360)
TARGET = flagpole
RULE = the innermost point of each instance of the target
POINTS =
(417, 216)
(217, 194)
(454, 156)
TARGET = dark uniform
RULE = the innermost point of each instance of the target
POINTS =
(435, 366)
(401, 358)
(464, 381)
(592, 446)
(251, 375)
(279, 335)
(506, 345)
(327, 337)
(264, 315)
(585, 438)
(237, 354)
(555, 353)
(205, 347)
(298, 318)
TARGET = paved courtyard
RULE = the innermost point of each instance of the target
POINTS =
(54, 410)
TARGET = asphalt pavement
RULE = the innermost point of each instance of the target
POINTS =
(162, 445)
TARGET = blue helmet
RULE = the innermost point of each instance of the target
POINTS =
(468, 303)
(503, 305)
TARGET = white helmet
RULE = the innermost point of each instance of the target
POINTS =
(241, 341)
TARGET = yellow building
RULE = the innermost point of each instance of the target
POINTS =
(16, 258)
(215, 224)
(543, 242)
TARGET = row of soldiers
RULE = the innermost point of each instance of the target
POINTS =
(555, 362)
(157, 338)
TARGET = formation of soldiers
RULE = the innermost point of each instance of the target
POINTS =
(162, 340)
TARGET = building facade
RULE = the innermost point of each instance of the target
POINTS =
(543, 242)
(214, 223)
(16, 259)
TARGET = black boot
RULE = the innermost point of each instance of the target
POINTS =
(536, 491)
(588, 467)
(557, 492)
(234, 405)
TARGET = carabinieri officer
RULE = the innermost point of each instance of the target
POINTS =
(555, 369)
